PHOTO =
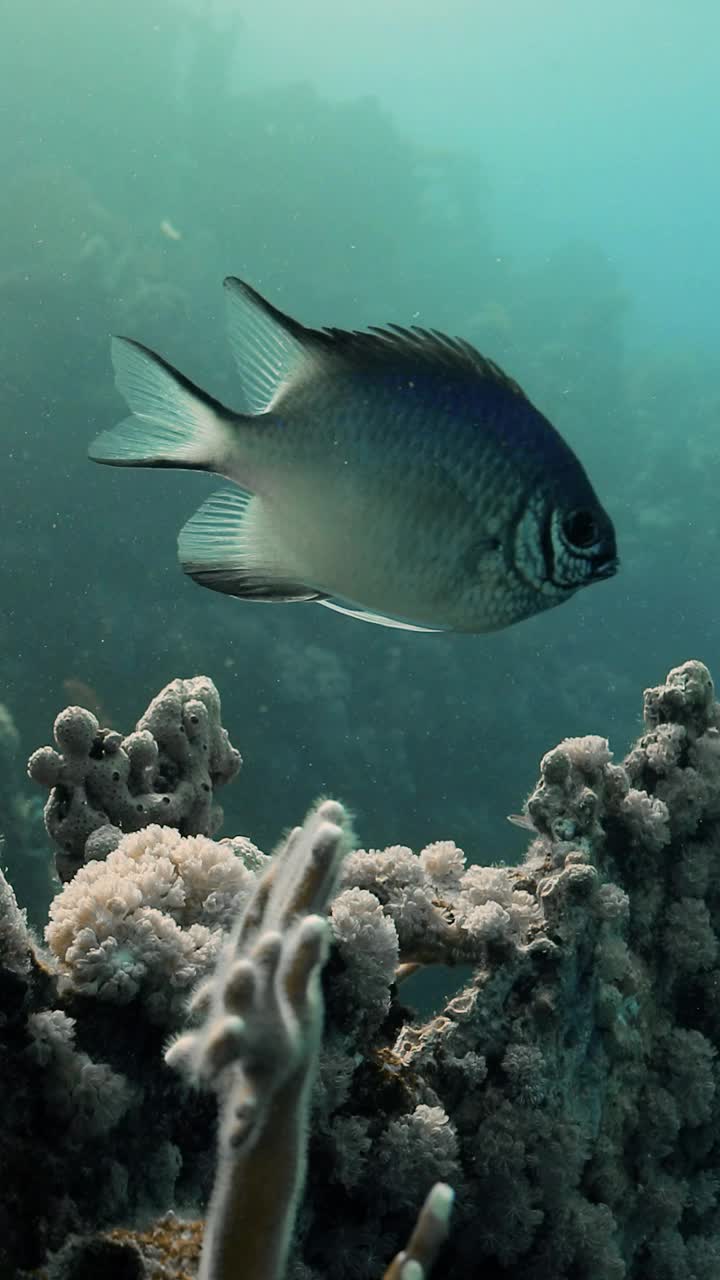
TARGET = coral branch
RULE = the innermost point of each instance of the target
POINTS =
(257, 1048)
(431, 1229)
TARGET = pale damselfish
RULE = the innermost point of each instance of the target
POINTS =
(394, 474)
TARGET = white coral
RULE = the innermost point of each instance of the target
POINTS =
(487, 884)
(397, 878)
(647, 818)
(489, 908)
(366, 936)
(368, 942)
(589, 754)
(415, 1150)
(148, 920)
(487, 923)
(443, 863)
(395, 869)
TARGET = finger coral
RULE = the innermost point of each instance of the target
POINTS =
(165, 772)
(258, 1045)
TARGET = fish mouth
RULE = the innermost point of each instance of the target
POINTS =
(605, 567)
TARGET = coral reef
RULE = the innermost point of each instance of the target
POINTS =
(574, 1076)
(568, 1090)
(96, 1127)
(165, 772)
(257, 1047)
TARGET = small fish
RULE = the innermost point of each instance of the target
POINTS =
(522, 820)
(393, 474)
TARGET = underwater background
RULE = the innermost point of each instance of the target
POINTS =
(527, 1014)
(537, 178)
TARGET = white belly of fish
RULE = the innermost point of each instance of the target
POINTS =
(378, 546)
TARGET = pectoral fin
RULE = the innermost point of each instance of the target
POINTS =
(228, 546)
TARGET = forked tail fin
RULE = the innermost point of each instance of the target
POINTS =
(173, 423)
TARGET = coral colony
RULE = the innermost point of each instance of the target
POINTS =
(564, 1095)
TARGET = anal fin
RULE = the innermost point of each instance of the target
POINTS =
(225, 546)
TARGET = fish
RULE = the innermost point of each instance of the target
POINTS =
(393, 474)
(523, 820)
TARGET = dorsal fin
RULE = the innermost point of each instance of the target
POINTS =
(394, 345)
(273, 350)
(270, 348)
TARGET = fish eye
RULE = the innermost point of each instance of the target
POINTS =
(581, 529)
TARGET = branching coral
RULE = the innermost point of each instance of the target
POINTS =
(165, 772)
(258, 1046)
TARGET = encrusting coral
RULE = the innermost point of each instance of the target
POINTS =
(568, 1091)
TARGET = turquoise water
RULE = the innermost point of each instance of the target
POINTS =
(535, 178)
(539, 178)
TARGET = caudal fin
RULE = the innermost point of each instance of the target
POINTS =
(173, 422)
